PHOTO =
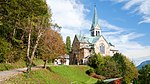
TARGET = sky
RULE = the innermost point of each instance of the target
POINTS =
(124, 23)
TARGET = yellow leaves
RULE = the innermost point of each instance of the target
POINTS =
(53, 44)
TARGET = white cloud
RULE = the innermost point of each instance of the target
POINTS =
(107, 26)
(138, 6)
(132, 49)
(70, 15)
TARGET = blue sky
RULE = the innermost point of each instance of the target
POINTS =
(124, 23)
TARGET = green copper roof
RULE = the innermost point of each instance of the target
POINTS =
(89, 39)
(95, 18)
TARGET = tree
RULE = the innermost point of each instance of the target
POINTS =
(38, 20)
(115, 66)
(109, 69)
(68, 44)
(95, 61)
(4, 49)
(52, 45)
(104, 66)
(144, 75)
(126, 67)
(22, 24)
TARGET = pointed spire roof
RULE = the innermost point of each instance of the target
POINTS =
(95, 18)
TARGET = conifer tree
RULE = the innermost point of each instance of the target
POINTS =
(68, 44)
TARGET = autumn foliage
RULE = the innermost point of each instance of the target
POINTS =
(52, 45)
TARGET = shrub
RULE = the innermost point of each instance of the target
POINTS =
(100, 82)
(95, 61)
(1, 58)
(5, 47)
(90, 71)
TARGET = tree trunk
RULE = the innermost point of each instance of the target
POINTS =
(30, 59)
(29, 44)
(36, 44)
(28, 53)
(14, 32)
(45, 63)
(29, 67)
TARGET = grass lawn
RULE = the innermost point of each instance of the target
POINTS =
(55, 75)
(19, 64)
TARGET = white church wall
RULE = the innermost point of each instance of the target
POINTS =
(97, 46)
(86, 53)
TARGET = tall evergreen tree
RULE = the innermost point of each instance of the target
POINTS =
(68, 44)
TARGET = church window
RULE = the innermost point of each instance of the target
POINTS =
(98, 32)
(92, 33)
(102, 49)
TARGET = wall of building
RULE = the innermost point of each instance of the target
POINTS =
(97, 46)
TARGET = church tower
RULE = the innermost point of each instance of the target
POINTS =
(95, 28)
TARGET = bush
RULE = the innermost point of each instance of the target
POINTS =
(5, 66)
(112, 67)
(5, 47)
(100, 82)
(1, 58)
(109, 69)
(95, 61)
(90, 71)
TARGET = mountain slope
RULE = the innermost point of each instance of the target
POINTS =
(143, 64)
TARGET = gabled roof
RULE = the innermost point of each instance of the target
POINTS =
(89, 39)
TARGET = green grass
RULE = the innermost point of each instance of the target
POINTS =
(55, 75)
(19, 64)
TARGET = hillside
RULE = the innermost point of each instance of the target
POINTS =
(55, 75)
(143, 64)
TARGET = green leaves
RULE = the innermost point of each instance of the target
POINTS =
(68, 44)
(144, 74)
(112, 67)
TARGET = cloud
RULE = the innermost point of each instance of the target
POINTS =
(106, 26)
(128, 46)
(138, 6)
(70, 15)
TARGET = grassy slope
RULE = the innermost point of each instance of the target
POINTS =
(56, 75)
(19, 64)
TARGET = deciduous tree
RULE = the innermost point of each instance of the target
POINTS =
(144, 75)
(52, 45)
(126, 67)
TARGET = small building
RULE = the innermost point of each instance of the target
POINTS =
(83, 46)
(62, 60)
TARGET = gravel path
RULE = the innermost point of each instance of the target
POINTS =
(5, 75)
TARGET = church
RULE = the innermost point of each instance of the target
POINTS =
(84, 46)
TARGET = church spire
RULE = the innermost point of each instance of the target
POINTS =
(95, 18)
(95, 28)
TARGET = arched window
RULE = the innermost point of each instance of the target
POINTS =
(92, 33)
(102, 49)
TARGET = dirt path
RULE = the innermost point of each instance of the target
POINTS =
(5, 75)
